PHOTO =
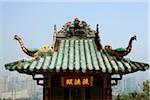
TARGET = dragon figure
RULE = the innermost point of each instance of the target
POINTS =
(45, 50)
(120, 52)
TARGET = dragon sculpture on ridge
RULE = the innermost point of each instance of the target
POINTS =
(45, 50)
(119, 53)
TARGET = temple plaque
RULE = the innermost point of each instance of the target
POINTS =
(77, 81)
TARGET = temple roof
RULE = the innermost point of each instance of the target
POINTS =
(76, 48)
(77, 55)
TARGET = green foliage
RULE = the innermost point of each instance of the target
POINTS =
(146, 87)
(144, 95)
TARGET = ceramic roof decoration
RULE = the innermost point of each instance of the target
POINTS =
(76, 28)
(45, 50)
(78, 55)
(77, 48)
(119, 53)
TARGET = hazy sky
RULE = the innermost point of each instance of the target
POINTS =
(34, 22)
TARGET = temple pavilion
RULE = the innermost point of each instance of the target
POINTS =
(76, 66)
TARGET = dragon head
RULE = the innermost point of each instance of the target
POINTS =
(16, 37)
(134, 37)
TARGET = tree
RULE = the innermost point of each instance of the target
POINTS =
(146, 87)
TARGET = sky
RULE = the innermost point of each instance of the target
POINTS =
(34, 21)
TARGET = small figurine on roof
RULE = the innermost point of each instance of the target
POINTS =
(69, 23)
(83, 24)
(45, 50)
(76, 23)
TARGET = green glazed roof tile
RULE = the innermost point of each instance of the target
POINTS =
(78, 55)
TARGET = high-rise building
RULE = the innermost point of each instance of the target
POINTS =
(3, 84)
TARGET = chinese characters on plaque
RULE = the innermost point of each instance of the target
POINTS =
(77, 81)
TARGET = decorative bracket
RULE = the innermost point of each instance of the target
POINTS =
(40, 80)
(115, 78)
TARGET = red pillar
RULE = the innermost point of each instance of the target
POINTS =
(47, 88)
(107, 95)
